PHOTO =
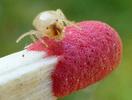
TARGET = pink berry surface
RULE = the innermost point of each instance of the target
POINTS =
(89, 51)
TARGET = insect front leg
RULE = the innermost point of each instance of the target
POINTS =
(31, 33)
(39, 36)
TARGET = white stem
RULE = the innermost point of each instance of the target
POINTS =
(25, 75)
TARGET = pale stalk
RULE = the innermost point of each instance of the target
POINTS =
(26, 75)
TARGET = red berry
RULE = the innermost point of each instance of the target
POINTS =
(89, 51)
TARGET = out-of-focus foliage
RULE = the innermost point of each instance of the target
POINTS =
(16, 18)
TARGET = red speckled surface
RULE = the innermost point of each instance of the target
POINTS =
(89, 51)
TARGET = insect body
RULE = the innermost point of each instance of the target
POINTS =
(48, 23)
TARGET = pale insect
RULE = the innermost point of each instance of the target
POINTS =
(48, 23)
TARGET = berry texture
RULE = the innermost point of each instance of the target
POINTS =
(89, 51)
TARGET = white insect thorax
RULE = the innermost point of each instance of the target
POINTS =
(46, 19)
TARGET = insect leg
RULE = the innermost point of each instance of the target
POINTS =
(32, 32)
(39, 37)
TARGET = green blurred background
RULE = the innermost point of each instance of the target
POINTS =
(16, 18)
